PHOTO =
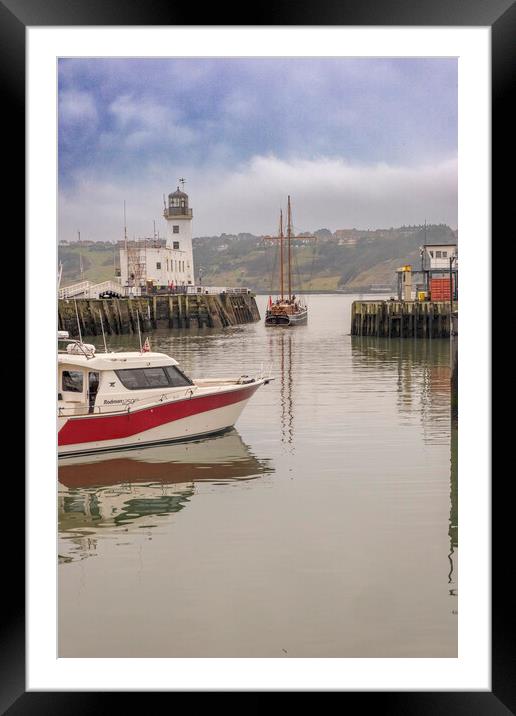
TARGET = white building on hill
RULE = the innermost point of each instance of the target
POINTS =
(166, 262)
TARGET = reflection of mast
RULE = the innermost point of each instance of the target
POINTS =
(287, 413)
(453, 526)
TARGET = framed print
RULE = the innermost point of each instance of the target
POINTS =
(313, 547)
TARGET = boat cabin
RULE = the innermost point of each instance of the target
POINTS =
(108, 382)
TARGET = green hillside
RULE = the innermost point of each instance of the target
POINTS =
(246, 260)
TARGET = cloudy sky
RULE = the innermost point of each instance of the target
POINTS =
(360, 143)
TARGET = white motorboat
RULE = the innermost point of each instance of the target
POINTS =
(111, 400)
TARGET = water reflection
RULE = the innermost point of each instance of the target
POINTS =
(453, 522)
(422, 370)
(133, 487)
(349, 549)
(287, 412)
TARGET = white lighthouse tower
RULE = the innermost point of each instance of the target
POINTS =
(164, 263)
(178, 216)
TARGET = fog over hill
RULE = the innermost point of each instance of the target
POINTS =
(349, 260)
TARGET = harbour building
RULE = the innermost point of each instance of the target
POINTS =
(161, 262)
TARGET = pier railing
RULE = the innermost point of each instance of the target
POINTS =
(88, 289)
(130, 291)
(76, 289)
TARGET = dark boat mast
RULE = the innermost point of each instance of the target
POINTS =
(281, 252)
(289, 235)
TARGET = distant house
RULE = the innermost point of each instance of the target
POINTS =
(343, 234)
(436, 257)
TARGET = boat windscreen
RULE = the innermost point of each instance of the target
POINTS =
(145, 378)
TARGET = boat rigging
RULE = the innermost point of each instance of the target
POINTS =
(287, 310)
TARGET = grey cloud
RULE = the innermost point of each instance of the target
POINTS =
(325, 193)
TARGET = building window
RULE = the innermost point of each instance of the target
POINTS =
(437, 254)
(175, 229)
(175, 244)
(71, 381)
(445, 254)
(158, 264)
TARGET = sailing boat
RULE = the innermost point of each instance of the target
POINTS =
(288, 309)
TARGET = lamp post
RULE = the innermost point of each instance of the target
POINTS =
(452, 259)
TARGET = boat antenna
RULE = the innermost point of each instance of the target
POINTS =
(78, 322)
(81, 267)
(126, 250)
(139, 332)
(103, 334)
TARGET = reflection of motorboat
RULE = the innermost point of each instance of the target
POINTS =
(214, 458)
(118, 488)
(119, 505)
(116, 400)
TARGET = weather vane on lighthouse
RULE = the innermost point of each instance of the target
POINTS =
(182, 182)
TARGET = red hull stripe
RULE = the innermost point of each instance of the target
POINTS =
(114, 427)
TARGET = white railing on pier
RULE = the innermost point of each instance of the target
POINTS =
(214, 289)
(76, 289)
(87, 289)
(98, 288)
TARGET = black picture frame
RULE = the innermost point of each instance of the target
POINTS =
(500, 15)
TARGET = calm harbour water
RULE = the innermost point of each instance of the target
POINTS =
(323, 525)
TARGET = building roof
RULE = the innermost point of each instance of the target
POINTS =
(178, 193)
(441, 244)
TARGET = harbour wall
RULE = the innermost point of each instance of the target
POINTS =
(401, 319)
(172, 312)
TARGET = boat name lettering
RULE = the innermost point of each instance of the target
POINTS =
(125, 401)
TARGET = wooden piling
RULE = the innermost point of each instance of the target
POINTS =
(401, 319)
(171, 312)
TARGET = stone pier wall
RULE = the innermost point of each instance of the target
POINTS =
(174, 311)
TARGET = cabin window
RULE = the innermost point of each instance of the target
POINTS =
(176, 377)
(175, 229)
(145, 378)
(72, 381)
(156, 377)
